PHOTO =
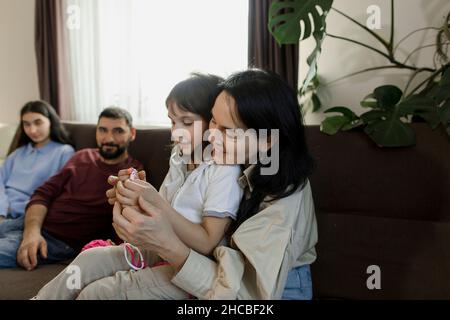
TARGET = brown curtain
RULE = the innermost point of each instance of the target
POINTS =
(263, 51)
(54, 85)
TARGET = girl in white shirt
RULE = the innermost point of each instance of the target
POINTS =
(204, 199)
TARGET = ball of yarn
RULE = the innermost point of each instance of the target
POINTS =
(97, 243)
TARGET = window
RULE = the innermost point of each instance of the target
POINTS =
(130, 53)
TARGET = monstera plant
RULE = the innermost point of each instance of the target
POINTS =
(390, 109)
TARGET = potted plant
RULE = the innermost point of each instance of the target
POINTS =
(390, 109)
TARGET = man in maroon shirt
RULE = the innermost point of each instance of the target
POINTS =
(71, 208)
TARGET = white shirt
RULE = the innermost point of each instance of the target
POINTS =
(209, 190)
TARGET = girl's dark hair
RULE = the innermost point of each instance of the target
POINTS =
(265, 101)
(57, 131)
(196, 94)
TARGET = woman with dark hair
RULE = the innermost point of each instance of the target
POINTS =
(43, 149)
(258, 99)
(272, 241)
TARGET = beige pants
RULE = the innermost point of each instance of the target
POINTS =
(103, 273)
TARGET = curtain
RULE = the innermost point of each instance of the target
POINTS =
(54, 85)
(263, 51)
(130, 53)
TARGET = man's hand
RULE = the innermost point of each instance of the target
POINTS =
(28, 250)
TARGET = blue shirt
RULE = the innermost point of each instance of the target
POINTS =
(25, 170)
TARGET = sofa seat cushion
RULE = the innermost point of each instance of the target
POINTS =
(18, 284)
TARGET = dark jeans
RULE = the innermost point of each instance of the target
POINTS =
(11, 231)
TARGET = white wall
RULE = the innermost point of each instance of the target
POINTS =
(18, 71)
(340, 58)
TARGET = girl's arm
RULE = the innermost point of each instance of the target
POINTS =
(203, 237)
(222, 199)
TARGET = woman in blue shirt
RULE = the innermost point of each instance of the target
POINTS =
(43, 149)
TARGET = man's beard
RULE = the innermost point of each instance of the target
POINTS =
(110, 155)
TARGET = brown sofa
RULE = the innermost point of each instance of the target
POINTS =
(384, 207)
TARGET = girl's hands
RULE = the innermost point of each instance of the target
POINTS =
(128, 192)
(123, 175)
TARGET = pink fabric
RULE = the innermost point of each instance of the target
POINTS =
(97, 243)
(135, 260)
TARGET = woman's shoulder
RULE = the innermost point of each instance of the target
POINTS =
(298, 197)
(299, 202)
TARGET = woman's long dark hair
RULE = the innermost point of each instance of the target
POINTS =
(265, 101)
(57, 131)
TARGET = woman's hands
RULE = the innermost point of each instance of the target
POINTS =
(147, 227)
(140, 217)
(128, 192)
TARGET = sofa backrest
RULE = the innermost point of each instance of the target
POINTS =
(386, 208)
(354, 175)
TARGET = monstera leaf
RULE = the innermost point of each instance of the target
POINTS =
(387, 96)
(313, 59)
(285, 18)
(346, 121)
(384, 123)
(389, 131)
(437, 93)
(423, 107)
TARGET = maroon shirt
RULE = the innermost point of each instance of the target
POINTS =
(78, 210)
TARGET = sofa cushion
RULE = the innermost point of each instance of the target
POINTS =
(18, 284)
